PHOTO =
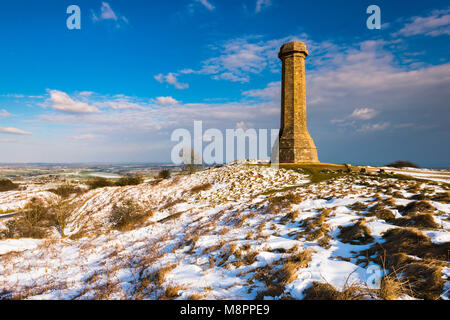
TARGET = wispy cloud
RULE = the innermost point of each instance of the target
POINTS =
(353, 120)
(7, 140)
(374, 127)
(241, 57)
(4, 114)
(107, 14)
(166, 101)
(13, 95)
(171, 78)
(206, 4)
(435, 24)
(261, 4)
(363, 113)
(83, 137)
(271, 92)
(87, 102)
(14, 131)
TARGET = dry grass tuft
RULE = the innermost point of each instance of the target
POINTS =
(391, 288)
(325, 291)
(423, 276)
(358, 206)
(199, 188)
(276, 277)
(416, 207)
(381, 212)
(171, 292)
(277, 203)
(421, 221)
(357, 234)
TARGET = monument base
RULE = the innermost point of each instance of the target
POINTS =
(299, 155)
(298, 149)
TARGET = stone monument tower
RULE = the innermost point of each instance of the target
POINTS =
(295, 143)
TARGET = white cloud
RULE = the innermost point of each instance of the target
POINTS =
(271, 92)
(4, 113)
(6, 140)
(171, 78)
(118, 104)
(13, 95)
(83, 137)
(368, 74)
(261, 4)
(86, 93)
(374, 127)
(166, 101)
(14, 131)
(357, 114)
(107, 14)
(435, 24)
(363, 114)
(241, 57)
(61, 101)
(206, 4)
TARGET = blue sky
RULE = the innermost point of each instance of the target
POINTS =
(116, 89)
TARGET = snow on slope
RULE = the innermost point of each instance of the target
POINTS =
(16, 200)
(211, 244)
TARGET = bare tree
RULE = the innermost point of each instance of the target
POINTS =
(191, 160)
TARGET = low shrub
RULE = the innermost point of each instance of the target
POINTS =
(164, 174)
(66, 190)
(33, 223)
(126, 214)
(34, 211)
(402, 164)
(99, 182)
(129, 181)
(7, 185)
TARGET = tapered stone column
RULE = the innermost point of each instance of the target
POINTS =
(295, 143)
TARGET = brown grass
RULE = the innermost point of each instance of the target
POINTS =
(315, 227)
(250, 257)
(358, 206)
(421, 221)
(201, 187)
(416, 207)
(391, 287)
(276, 277)
(357, 233)
(277, 203)
(424, 276)
(380, 212)
(325, 291)
(171, 292)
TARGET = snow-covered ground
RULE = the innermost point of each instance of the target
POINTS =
(427, 174)
(211, 235)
